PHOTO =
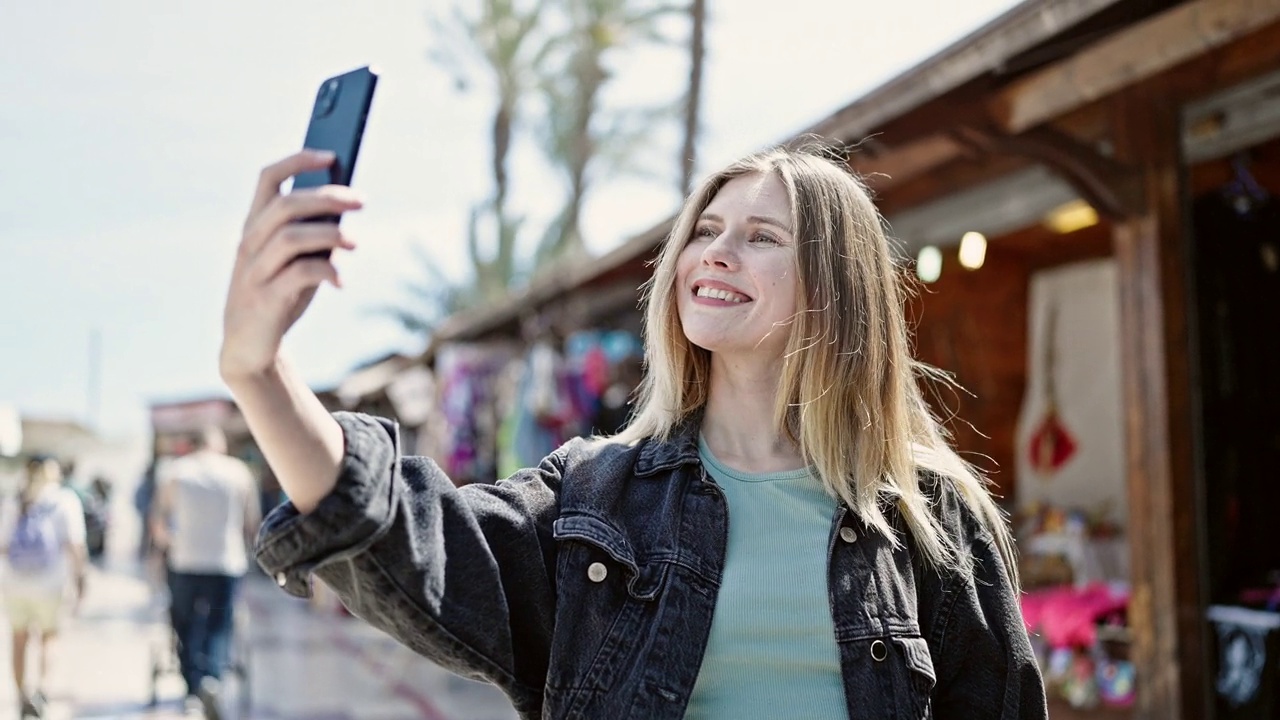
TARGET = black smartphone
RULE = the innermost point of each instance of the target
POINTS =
(337, 124)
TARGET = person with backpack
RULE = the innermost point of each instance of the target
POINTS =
(43, 534)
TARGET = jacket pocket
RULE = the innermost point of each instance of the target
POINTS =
(888, 677)
(643, 580)
(919, 677)
(607, 601)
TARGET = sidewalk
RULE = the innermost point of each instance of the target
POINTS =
(304, 664)
(104, 655)
(323, 666)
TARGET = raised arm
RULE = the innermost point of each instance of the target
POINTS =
(274, 279)
(462, 576)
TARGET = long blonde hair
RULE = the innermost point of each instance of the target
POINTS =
(849, 395)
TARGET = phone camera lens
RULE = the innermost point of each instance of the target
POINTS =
(327, 96)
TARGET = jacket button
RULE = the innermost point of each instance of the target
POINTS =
(847, 534)
(878, 651)
(281, 579)
(597, 572)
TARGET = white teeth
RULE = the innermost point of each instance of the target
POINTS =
(725, 295)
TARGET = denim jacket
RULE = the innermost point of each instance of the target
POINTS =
(585, 587)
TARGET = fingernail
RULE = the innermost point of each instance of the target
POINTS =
(323, 154)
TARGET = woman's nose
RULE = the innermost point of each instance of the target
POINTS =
(720, 252)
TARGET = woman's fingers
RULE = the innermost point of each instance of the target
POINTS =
(294, 240)
(280, 263)
(329, 200)
(274, 175)
(302, 275)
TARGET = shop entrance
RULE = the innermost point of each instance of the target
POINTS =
(1235, 283)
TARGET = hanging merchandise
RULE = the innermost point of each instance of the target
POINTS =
(470, 398)
(1052, 444)
(540, 390)
(1070, 432)
(1248, 669)
(604, 372)
(542, 417)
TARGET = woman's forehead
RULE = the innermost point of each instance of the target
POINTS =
(752, 192)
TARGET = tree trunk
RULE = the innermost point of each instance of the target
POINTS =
(697, 50)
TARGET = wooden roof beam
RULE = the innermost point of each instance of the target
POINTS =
(906, 162)
(1109, 186)
(1106, 184)
(1126, 57)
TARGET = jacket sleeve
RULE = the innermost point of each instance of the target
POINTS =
(985, 666)
(463, 576)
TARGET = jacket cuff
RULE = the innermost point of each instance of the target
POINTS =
(358, 511)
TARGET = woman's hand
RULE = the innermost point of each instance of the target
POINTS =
(271, 285)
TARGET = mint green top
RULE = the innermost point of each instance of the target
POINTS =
(772, 651)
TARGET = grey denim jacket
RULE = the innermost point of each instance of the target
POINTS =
(585, 587)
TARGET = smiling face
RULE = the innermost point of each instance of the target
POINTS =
(736, 276)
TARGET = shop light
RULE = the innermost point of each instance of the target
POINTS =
(929, 264)
(1075, 215)
(973, 250)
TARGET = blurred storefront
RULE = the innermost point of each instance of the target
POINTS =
(1087, 190)
(485, 403)
(1090, 201)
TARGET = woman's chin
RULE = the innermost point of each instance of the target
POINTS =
(723, 344)
(711, 342)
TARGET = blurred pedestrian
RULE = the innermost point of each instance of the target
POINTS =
(96, 515)
(44, 544)
(143, 496)
(205, 514)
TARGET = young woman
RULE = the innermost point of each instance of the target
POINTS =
(781, 532)
(44, 546)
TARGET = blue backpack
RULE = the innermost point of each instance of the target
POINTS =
(35, 544)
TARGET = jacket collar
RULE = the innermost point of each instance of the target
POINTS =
(681, 448)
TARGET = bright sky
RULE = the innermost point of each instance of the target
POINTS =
(134, 131)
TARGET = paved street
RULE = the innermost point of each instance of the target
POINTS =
(303, 663)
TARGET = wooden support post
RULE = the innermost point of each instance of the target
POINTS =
(1166, 610)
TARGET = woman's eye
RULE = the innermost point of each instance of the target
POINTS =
(764, 239)
(704, 232)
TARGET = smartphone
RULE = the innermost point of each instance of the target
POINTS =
(337, 124)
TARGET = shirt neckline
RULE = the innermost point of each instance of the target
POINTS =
(709, 458)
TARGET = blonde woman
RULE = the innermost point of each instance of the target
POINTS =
(782, 531)
(44, 544)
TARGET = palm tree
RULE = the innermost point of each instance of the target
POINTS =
(693, 96)
(504, 42)
(558, 48)
(579, 134)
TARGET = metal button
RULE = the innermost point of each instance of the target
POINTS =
(597, 572)
(281, 579)
(848, 535)
(879, 651)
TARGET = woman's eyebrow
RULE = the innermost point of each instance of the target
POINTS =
(766, 220)
(753, 219)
